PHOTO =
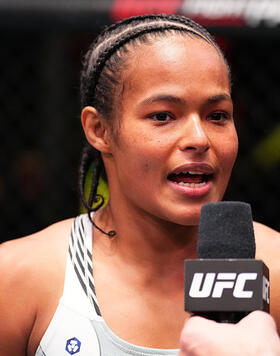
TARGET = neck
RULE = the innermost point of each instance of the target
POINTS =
(142, 239)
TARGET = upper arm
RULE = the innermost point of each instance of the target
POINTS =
(17, 310)
(268, 250)
(31, 282)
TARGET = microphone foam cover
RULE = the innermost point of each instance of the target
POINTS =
(226, 231)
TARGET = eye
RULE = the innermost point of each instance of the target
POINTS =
(161, 116)
(219, 116)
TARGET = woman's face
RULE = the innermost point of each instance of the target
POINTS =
(177, 141)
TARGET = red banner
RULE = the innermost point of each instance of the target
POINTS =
(126, 8)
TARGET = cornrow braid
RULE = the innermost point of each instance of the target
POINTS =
(117, 35)
(101, 79)
(107, 53)
(92, 158)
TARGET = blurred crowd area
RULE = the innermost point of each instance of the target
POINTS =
(41, 136)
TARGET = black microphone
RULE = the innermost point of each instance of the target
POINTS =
(226, 282)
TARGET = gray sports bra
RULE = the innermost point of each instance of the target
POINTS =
(77, 327)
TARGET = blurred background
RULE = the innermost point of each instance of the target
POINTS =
(42, 43)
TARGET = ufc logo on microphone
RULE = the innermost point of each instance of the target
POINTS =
(212, 285)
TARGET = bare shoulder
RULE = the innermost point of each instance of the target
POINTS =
(29, 267)
(29, 254)
(268, 250)
(267, 240)
(265, 230)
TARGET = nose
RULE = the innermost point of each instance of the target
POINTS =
(194, 135)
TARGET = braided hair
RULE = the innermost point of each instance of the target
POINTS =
(101, 78)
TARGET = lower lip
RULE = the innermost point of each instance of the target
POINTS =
(192, 191)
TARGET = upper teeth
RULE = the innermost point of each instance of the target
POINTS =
(192, 172)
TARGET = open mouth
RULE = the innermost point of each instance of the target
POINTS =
(190, 179)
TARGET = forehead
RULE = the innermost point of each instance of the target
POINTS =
(182, 61)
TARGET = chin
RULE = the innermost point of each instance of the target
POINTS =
(190, 218)
(189, 215)
(190, 221)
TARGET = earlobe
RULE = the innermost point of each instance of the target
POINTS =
(95, 129)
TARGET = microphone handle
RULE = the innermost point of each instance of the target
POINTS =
(223, 317)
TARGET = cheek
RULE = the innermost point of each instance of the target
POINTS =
(141, 158)
(138, 172)
(134, 157)
(229, 151)
(143, 147)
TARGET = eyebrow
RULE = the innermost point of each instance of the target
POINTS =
(216, 98)
(175, 99)
(163, 97)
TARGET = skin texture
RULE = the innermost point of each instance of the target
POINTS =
(198, 337)
(180, 114)
(186, 135)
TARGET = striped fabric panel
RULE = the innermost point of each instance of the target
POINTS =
(81, 258)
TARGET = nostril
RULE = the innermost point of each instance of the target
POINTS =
(194, 136)
(198, 148)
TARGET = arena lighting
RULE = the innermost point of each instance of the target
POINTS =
(267, 152)
(207, 12)
(251, 12)
(229, 13)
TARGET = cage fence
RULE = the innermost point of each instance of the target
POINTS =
(41, 135)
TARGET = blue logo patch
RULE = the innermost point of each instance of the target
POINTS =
(73, 346)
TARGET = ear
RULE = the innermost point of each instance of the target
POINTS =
(96, 129)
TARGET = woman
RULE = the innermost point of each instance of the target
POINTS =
(158, 117)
